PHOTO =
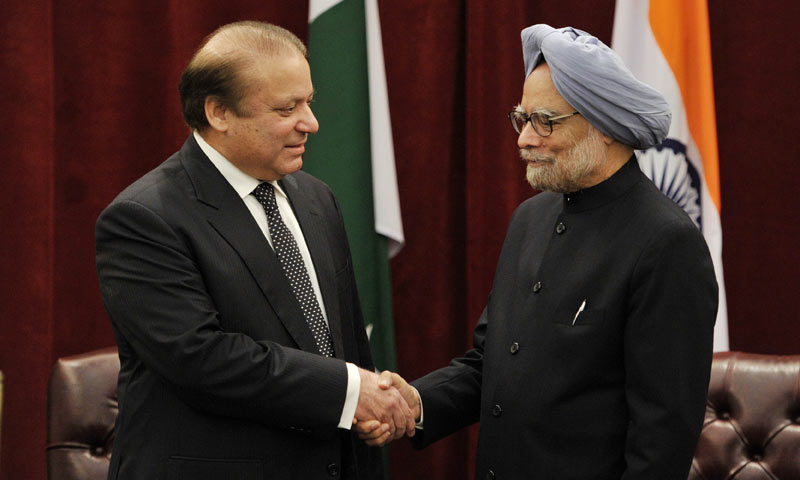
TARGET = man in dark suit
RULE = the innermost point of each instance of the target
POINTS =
(592, 357)
(227, 275)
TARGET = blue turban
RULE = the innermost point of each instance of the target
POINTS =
(593, 78)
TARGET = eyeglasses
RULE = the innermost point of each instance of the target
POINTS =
(542, 124)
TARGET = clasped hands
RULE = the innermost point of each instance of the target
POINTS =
(388, 408)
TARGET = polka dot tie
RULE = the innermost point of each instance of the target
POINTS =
(293, 266)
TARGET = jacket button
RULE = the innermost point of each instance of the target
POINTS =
(333, 470)
(514, 348)
(560, 228)
(497, 410)
(537, 287)
(490, 475)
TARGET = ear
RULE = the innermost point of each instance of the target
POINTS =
(607, 140)
(217, 114)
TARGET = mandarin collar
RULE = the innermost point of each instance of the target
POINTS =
(606, 191)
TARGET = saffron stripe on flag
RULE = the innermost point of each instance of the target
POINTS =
(666, 44)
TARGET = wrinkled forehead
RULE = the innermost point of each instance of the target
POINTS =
(278, 72)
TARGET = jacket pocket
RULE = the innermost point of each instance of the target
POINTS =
(186, 468)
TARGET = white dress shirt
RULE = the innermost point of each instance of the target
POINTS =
(244, 185)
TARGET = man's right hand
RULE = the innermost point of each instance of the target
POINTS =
(376, 434)
(383, 408)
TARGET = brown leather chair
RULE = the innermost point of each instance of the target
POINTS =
(752, 425)
(751, 430)
(81, 411)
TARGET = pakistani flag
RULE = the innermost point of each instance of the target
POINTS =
(353, 151)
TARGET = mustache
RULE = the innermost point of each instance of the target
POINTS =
(530, 155)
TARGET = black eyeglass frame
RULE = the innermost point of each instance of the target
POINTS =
(529, 119)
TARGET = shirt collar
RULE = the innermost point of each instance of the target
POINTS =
(606, 191)
(243, 183)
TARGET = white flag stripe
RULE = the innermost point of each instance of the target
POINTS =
(318, 7)
(633, 39)
(388, 221)
(631, 22)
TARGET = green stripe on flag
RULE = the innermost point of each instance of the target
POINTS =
(339, 154)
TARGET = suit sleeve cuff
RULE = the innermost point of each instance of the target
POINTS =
(351, 399)
(420, 424)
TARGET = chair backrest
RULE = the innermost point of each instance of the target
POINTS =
(751, 429)
(81, 411)
(752, 425)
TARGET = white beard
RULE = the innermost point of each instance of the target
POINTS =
(567, 172)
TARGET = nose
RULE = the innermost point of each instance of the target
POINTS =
(528, 137)
(308, 122)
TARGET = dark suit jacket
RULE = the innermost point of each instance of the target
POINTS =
(220, 375)
(617, 391)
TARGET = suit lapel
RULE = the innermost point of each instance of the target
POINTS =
(230, 217)
(309, 215)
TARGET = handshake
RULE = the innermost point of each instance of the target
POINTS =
(388, 408)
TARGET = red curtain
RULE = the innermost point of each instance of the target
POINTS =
(89, 95)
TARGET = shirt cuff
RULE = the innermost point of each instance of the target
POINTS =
(351, 399)
(419, 424)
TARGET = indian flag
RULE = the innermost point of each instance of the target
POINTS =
(666, 44)
(353, 151)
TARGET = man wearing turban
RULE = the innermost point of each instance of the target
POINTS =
(591, 359)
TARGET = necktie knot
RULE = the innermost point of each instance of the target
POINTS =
(265, 194)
